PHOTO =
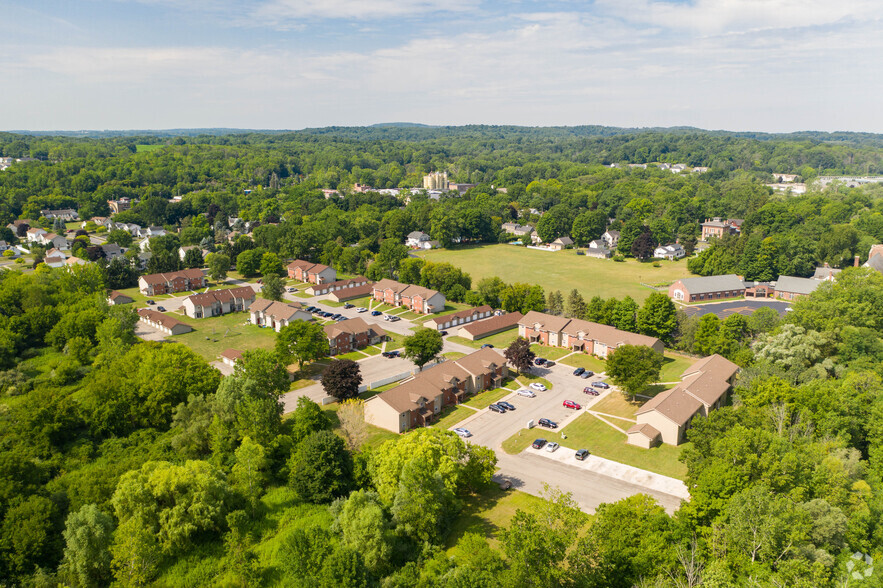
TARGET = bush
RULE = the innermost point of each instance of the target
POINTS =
(618, 257)
(8, 253)
(657, 264)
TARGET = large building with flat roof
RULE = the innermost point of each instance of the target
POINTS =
(707, 288)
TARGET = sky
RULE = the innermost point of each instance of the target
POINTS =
(742, 65)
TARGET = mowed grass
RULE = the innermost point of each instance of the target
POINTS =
(211, 336)
(488, 513)
(550, 353)
(584, 360)
(488, 397)
(673, 366)
(144, 148)
(588, 432)
(451, 416)
(615, 404)
(563, 270)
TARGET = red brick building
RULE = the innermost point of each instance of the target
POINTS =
(314, 273)
(172, 282)
(351, 334)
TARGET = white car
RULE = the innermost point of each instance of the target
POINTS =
(463, 432)
(552, 447)
(361, 309)
(527, 393)
(537, 386)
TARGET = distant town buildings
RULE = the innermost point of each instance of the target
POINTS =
(715, 227)
(436, 181)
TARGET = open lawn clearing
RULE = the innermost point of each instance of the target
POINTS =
(588, 432)
(383, 307)
(527, 379)
(353, 355)
(143, 148)
(584, 360)
(412, 316)
(396, 341)
(488, 513)
(550, 353)
(500, 341)
(488, 397)
(451, 416)
(331, 303)
(615, 404)
(234, 275)
(563, 270)
(371, 350)
(211, 336)
(452, 355)
(673, 365)
(450, 308)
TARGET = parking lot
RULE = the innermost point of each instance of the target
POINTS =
(743, 307)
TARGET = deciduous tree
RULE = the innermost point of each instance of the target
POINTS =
(272, 287)
(658, 317)
(633, 367)
(342, 379)
(302, 341)
(423, 346)
(321, 468)
(519, 354)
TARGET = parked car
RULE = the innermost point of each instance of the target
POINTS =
(348, 305)
(387, 317)
(539, 361)
(552, 447)
(463, 432)
(487, 345)
(161, 308)
(151, 302)
(526, 393)
(497, 408)
(442, 333)
(506, 405)
(591, 391)
(538, 443)
(393, 319)
(581, 454)
(538, 386)
(587, 374)
(602, 385)
(571, 404)
(376, 313)
(390, 354)
(547, 423)
(290, 289)
(579, 371)
(343, 318)
(550, 364)
(361, 309)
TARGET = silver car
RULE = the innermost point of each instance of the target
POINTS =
(527, 393)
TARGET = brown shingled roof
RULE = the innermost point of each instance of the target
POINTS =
(493, 323)
(160, 318)
(644, 429)
(352, 326)
(676, 405)
(226, 295)
(547, 322)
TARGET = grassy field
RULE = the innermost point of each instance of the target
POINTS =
(488, 513)
(584, 360)
(210, 336)
(143, 148)
(674, 365)
(526, 380)
(451, 416)
(563, 270)
(617, 405)
(587, 432)
(488, 397)
(452, 355)
(550, 353)
(501, 340)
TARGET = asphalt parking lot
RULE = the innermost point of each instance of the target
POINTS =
(743, 307)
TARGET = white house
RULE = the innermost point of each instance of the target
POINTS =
(672, 251)
(417, 239)
(610, 238)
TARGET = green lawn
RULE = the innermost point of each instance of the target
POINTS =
(451, 416)
(143, 148)
(673, 365)
(564, 270)
(353, 355)
(211, 336)
(500, 341)
(450, 308)
(527, 379)
(396, 341)
(587, 432)
(550, 353)
(488, 397)
(488, 513)
(584, 360)
(452, 355)
(617, 405)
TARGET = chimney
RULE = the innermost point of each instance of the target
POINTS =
(855, 263)
(826, 264)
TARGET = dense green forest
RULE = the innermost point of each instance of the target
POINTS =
(131, 463)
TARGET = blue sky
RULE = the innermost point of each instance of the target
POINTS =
(765, 65)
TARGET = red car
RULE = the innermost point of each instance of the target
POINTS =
(571, 404)
(590, 391)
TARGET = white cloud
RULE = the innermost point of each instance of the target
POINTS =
(277, 12)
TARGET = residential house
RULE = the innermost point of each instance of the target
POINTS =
(561, 243)
(322, 289)
(163, 322)
(416, 298)
(419, 401)
(826, 273)
(218, 302)
(699, 170)
(116, 298)
(707, 288)
(65, 214)
(417, 240)
(331, 194)
(120, 205)
(678, 168)
(132, 228)
(35, 235)
(275, 315)
(580, 335)
(785, 178)
(171, 282)
(875, 258)
(112, 251)
(230, 357)
(53, 240)
(98, 221)
(666, 417)
(598, 248)
(449, 321)
(314, 273)
(791, 288)
(55, 252)
(672, 251)
(715, 227)
(4, 246)
(490, 326)
(610, 238)
(74, 261)
(351, 334)
(54, 262)
(182, 251)
(14, 225)
(151, 232)
(362, 188)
